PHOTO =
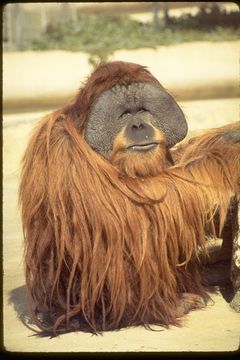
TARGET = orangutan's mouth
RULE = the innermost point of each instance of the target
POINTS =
(143, 147)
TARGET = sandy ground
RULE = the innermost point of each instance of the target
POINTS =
(41, 78)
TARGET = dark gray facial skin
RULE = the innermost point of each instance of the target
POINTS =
(115, 108)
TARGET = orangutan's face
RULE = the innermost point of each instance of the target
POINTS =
(138, 117)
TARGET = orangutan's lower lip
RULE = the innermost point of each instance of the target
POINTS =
(142, 147)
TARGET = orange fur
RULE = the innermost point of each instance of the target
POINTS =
(109, 251)
(139, 164)
(104, 248)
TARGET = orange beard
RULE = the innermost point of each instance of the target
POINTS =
(140, 163)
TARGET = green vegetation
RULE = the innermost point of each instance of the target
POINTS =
(100, 35)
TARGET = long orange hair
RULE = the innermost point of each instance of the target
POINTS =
(105, 250)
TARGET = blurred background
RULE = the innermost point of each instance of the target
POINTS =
(49, 49)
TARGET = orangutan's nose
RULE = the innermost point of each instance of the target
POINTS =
(138, 131)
